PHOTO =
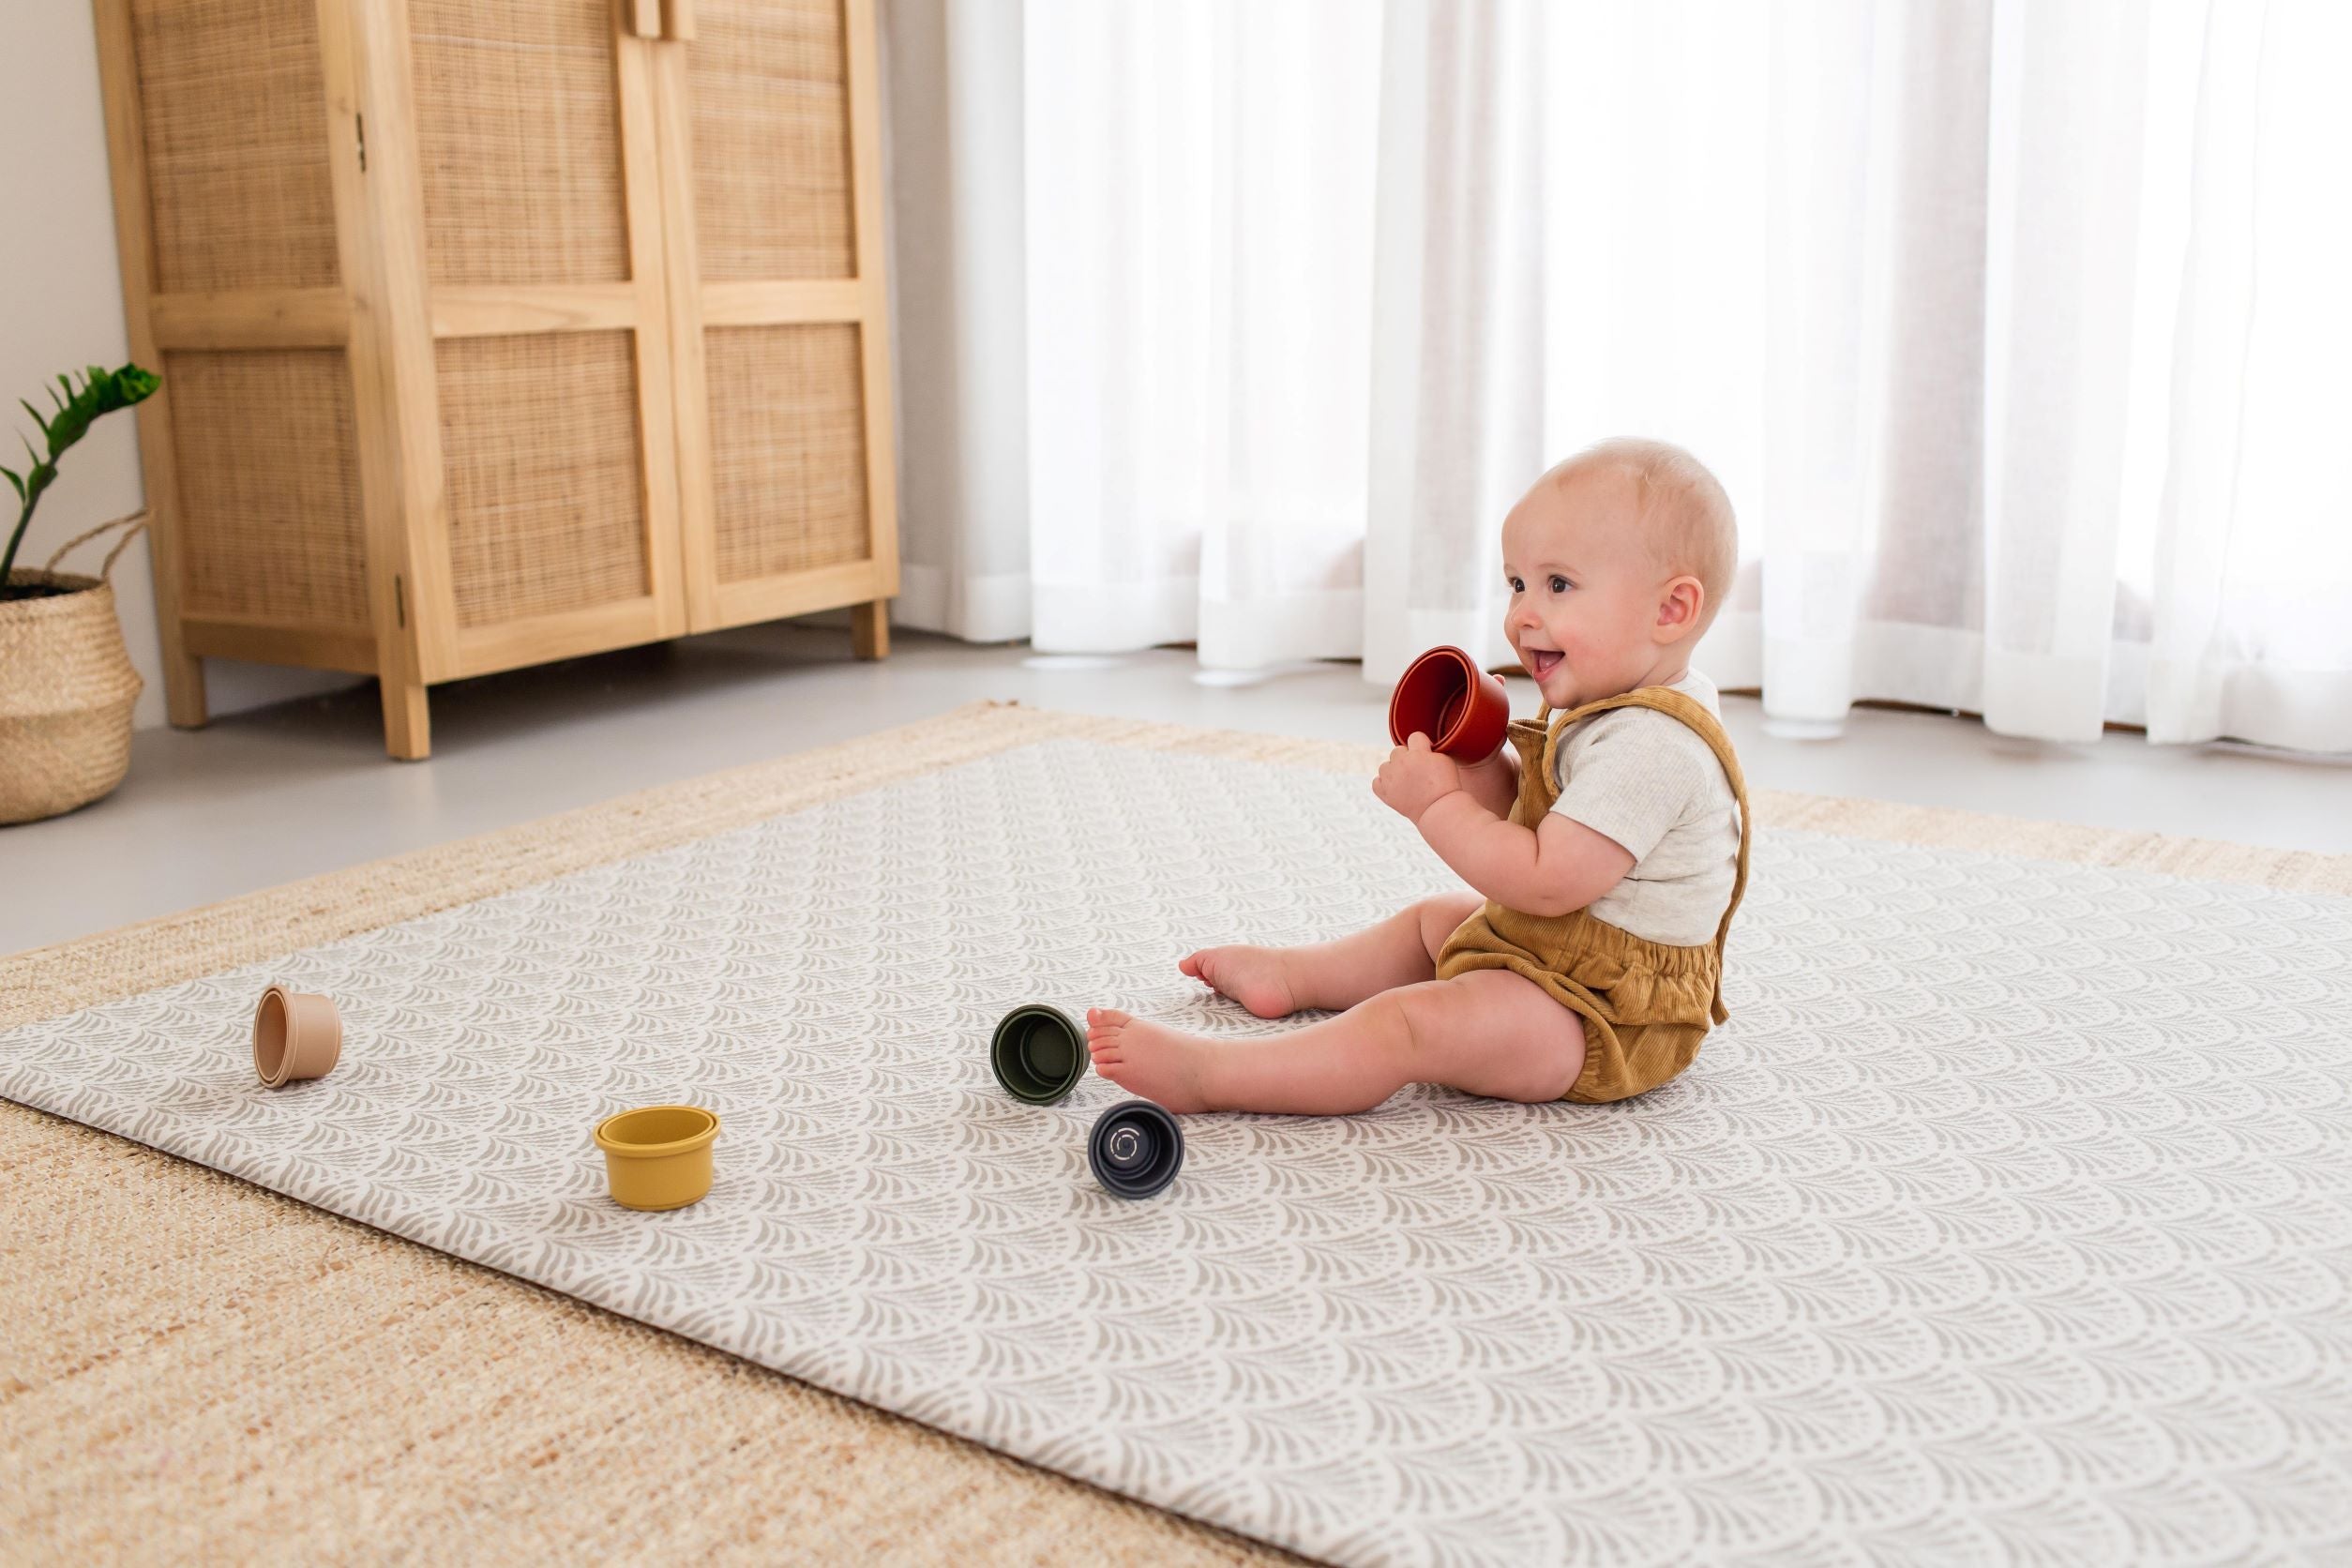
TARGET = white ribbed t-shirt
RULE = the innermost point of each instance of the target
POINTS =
(1652, 783)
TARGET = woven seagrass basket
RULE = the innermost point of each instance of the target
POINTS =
(65, 688)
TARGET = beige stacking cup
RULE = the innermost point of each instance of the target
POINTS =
(296, 1035)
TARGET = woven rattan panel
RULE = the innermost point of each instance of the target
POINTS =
(235, 111)
(771, 139)
(268, 520)
(788, 448)
(545, 493)
(518, 120)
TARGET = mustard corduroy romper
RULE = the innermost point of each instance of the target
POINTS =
(1646, 1005)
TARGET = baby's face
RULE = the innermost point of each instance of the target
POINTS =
(1585, 593)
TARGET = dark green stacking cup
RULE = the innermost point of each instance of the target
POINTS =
(1136, 1148)
(1038, 1053)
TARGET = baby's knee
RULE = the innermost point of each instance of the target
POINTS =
(1442, 915)
(1492, 1033)
(1426, 1019)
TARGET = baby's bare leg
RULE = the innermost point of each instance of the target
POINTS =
(1275, 982)
(1489, 1032)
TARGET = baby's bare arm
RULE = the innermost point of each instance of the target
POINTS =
(1551, 869)
(1494, 782)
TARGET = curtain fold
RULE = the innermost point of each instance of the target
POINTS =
(953, 106)
(1457, 394)
(1198, 212)
(2063, 200)
(2017, 333)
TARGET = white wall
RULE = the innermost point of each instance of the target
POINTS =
(61, 308)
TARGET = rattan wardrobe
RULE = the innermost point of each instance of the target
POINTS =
(499, 331)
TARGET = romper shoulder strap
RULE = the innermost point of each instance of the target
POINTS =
(1673, 704)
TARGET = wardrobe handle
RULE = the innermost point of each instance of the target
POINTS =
(644, 17)
(681, 19)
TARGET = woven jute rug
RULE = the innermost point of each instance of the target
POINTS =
(1957, 1245)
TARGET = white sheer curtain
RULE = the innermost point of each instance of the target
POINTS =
(1198, 204)
(2019, 333)
(1172, 208)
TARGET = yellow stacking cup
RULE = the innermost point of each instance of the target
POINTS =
(659, 1156)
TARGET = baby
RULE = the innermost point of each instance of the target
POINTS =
(1606, 848)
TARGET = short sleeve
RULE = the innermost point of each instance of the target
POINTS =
(1630, 777)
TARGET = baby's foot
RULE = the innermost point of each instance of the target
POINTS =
(1148, 1059)
(1252, 976)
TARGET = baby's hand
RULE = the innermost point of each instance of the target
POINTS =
(1415, 776)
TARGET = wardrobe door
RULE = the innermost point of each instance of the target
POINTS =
(229, 147)
(770, 131)
(553, 527)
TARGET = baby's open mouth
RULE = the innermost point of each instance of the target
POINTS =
(1541, 660)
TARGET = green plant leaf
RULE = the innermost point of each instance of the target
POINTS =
(101, 393)
(135, 385)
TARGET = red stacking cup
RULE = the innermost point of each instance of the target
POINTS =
(1445, 696)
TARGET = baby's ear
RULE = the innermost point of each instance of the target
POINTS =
(1679, 608)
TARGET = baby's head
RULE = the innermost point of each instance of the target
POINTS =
(1617, 560)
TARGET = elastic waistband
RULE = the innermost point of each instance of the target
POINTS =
(1588, 933)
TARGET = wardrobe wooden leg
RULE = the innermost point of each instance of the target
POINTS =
(408, 732)
(184, 692)
(869, 628)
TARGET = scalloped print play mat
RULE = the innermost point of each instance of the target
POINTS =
(2009, 1219)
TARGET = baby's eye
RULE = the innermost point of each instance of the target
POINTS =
(1515, 584)
(1560, 584)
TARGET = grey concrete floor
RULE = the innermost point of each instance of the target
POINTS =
(278, 793)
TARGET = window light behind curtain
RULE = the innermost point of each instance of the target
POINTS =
(2018, 332)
